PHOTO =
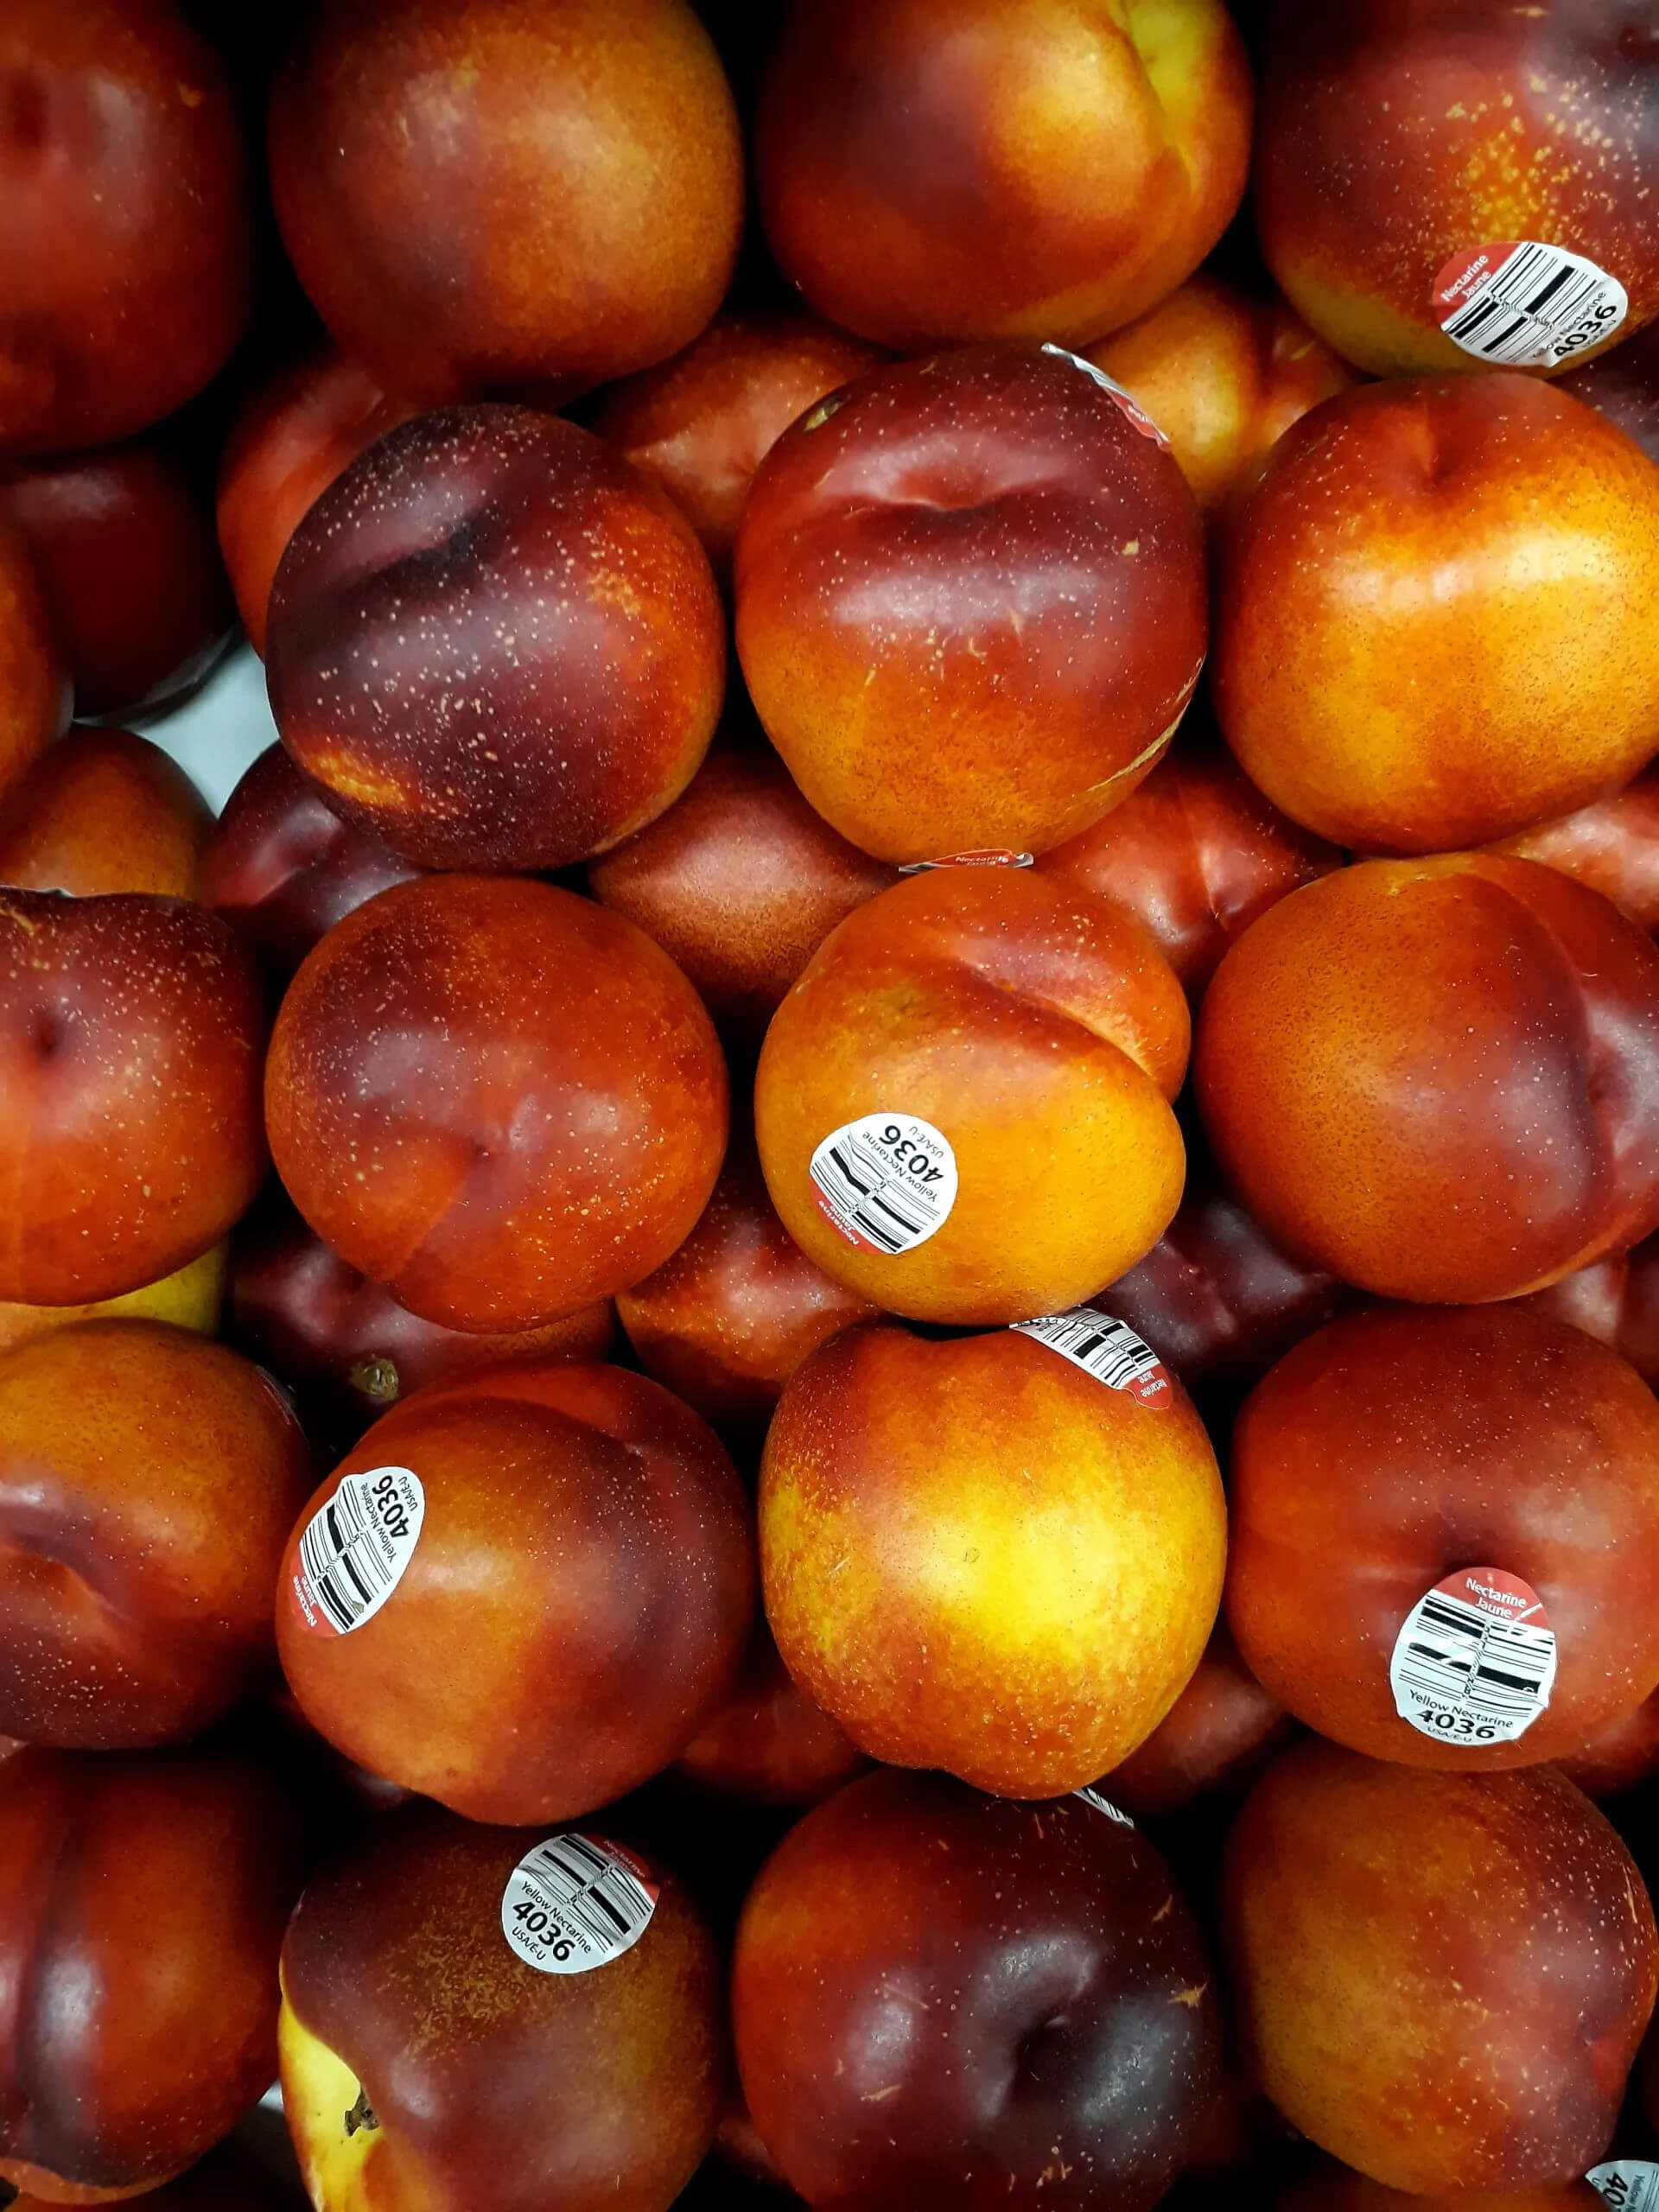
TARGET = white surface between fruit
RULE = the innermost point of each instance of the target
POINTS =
(217, 735)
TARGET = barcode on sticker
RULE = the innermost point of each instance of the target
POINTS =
(573, 1903)
(1527, 305)
(355, 1548)
(1475, 1660)
(1106, 1348)
(887, 1182)
(1628, 2184)
(1104, 1805)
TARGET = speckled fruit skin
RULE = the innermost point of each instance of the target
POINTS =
(1040, 1031)
(1623, 386)
(1441, 1978)
(740, 882)
(1196, 853)
(972, 602)
(1395, 134)
(1616, 1300)
(345, 1347)
(292, 438)
(534, 1099)
(103, 811)
(493, 2086)
(495, 644)
(1216, 1298)
(935, 171)
(35, 696)
(1396, 1447)
(1011, 2005)
(503, 193)
(1619, 1755)
(1436, 612)
(1439, 1079)
(144, 1898)
(125, 239)
(1328, 2187)
(702, 423)
(1613, 845)
(766, 1742)
(727, 1320)
(124, 545)
(148, 1483)
(977, 1557)
(1224, 374)
(282, 868)
(131, 1034)
(1219, 1734)
(577, 1601)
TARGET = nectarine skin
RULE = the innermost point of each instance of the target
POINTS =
(1219, 1734)
(346, 1348)
(1396, 139)
(1439, 1079)
(932, 174)
(192, 1297)
(531, 1092)
(972, 602)
(1613, 845)
(126, 246)
(293, 437)
(1010, 2005)
(1434, 613)
(1197, 853)
(489, 2086)
(148, 1483)
(740, 882)
(1623, 386)
(702, 423)
(105, 811)
(1224, 374)
(766, 1742)
(131, 1034)
(144, 1899)
(520, 549)
(977, 1556)
(124, 545)
(577, 1600)
(1398, 1446)
(282, 868)
(1038, 1035)
(35, 694)
(1441, 1978)
(727, 1320)
(1616, 1299)
(480, 196)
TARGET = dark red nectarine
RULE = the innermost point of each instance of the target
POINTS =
(495, 1098)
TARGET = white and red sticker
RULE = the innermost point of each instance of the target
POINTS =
(356, 1548)
(1474, 1661)
(575, 1903)
(1522, 305)
(1114, 1813)
(1125, 400)
(1628, 2184)
(886, 1181)
(1106, 1348)
(988, 856)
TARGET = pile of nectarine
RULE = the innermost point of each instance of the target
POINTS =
(828, 1352)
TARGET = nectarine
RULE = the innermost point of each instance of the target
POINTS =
(105, 811)
(496, 1099)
